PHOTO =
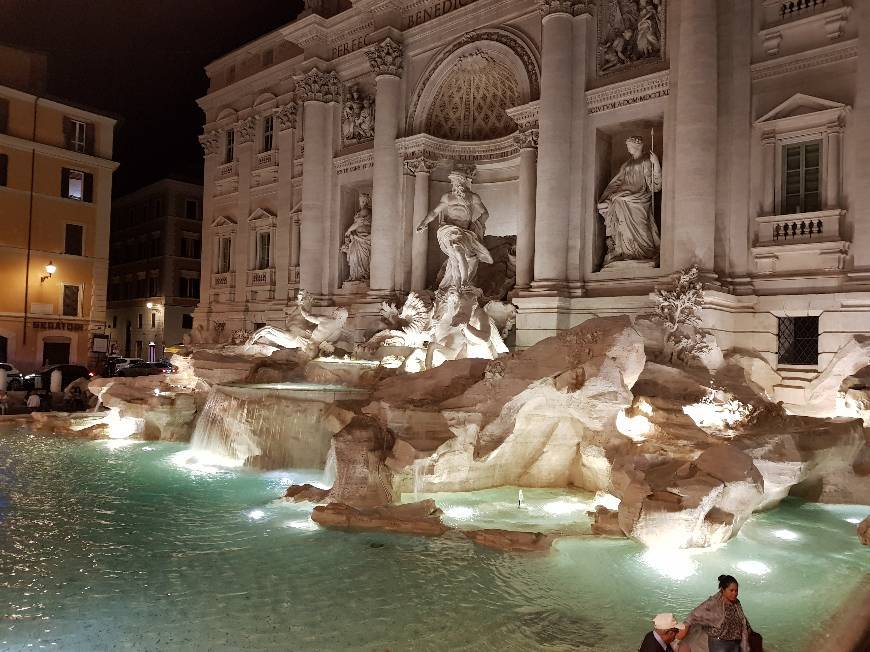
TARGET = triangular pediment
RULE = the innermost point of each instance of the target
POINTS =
(261, 214)
(223, 220)
(799, 104)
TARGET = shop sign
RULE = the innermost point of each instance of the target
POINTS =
(58, 326)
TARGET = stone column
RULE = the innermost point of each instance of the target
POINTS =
(295, 241)
(241, 253)
(421, 168)
(832, 172)
(695, 135)
(528, 181)
(385, 60)
(284, 122)
(316, 89)
(768, 174)
(859, 144)
(554, 163)
(210, 142)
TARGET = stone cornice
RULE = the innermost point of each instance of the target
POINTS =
(525, 115)
(633, 91)
(570, 7)
(386, 58)
(823, 56)
(52, 151)
(438, 149)
(353, 162)
(317, 86)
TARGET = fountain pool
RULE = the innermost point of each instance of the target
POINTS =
(131, 545)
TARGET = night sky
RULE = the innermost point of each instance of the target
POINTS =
(142, 62)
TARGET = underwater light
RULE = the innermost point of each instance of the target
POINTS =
(606, 500)
(121, 427)
(853, 521)
(562, 507)
(256, 514)
(753, 567)
(786, 535)
(460, 512)
(307, 524)
(673, 563)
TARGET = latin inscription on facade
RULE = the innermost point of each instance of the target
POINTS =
(349, 46)
(433, 10)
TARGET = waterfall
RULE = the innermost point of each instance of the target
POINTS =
(331, 468)
(262, 428)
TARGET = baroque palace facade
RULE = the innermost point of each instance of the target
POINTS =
(612, 143)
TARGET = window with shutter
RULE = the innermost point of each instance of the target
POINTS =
(73, 240)
(78, 136)
(71, 300)
(801, 181)
(4, 169)
(73, 184)
(191, 209)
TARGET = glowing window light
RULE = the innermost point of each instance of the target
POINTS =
(753, 567)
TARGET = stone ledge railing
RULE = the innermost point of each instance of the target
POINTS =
(266, 159)
(817, 226)
(227, 170)
(223, 280)
(261, 278)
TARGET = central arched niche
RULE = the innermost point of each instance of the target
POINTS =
(470, 101)
(463, 94)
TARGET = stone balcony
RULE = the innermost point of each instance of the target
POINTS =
(223, 280)
(798, 18)
(266, 159)
(227, 171)
(803, 242)
(261, 278)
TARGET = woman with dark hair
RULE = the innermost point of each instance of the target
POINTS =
(722, 619)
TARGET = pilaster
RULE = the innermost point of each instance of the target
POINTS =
(386, 61)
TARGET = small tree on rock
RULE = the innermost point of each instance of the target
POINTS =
(680, 310)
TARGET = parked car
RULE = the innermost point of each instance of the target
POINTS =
(147, 369)
(68, 372)
(116, 363)
(14, 378)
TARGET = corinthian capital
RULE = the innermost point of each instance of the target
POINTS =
(286, 117)
(245, 130)
(419, 164)
(386, 58)
(316, 86)
(526, 139)
(570, 7)
(210, 143)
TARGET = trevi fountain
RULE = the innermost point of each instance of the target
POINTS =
(505, 375)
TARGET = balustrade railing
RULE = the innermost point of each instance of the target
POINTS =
(805, 227)
(261, 278)
(267, 159)
(223, 280)
(227, 170)
(800, 8)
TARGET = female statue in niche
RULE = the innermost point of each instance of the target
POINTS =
(358, 240)
(627, 207)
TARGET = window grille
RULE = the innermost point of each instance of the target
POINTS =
(799, 340)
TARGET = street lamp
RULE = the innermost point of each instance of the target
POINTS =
(50, 269)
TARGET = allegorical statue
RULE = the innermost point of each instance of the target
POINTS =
(462, 224)
(627, 207)
(358, 241)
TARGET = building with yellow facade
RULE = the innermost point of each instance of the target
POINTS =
(55, 201)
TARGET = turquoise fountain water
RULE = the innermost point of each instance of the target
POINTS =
(131, 545)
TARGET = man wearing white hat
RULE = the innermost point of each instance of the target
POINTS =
(665, 628)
